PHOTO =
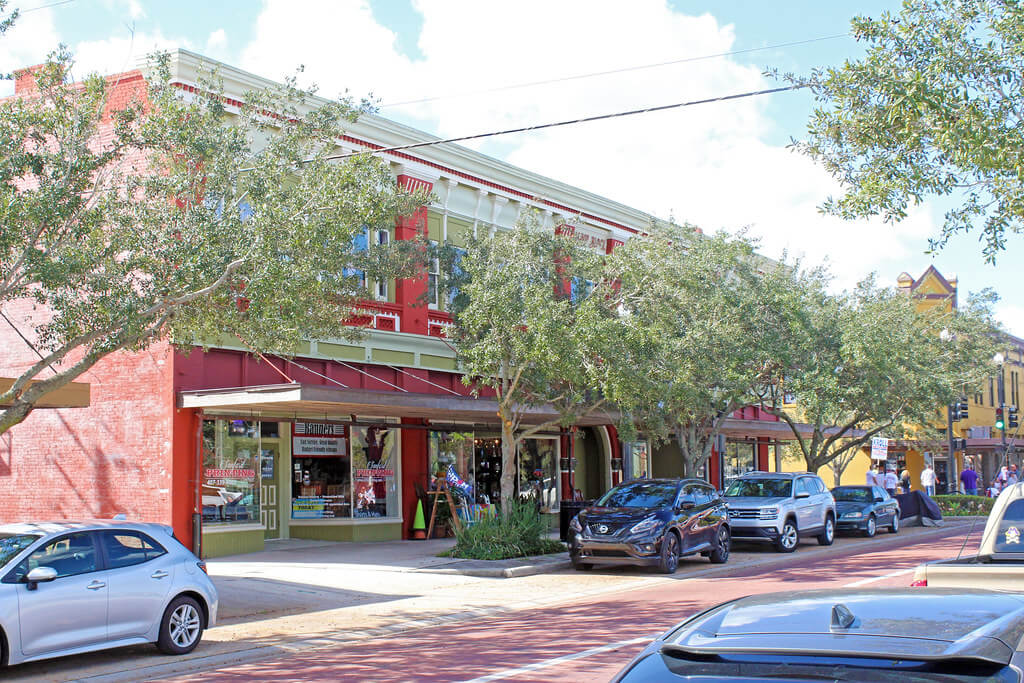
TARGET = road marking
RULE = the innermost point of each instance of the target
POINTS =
(508, 673)
(872, 579)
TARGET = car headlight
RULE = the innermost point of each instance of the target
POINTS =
(574, 524)
(853, 515)
(769, 513)
(646, 525)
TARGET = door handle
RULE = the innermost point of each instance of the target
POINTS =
(96, 585)
(159, 574)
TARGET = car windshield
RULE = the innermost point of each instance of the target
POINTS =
(760, 488)
(852, 495)
(12, 544)
(648, 494)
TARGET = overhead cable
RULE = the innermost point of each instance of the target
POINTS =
(614, 71)
(557, 124)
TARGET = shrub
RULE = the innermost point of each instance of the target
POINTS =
(964, 506)
(518, 531)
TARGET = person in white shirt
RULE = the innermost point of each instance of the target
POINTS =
(891, 480)
(869, 479)
(928, 479)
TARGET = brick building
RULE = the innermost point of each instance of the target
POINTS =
(235, 450)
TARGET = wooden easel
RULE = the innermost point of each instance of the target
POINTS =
(442, 489)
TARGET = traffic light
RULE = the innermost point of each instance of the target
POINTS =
(1011, 417)
(959, 444)
(961, 409)
(1000, 422)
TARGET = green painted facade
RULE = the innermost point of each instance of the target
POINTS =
(232, 543)
(348, 532)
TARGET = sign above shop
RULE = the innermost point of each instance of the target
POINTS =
(317, 440)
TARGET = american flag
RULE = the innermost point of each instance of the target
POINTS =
(457, 483)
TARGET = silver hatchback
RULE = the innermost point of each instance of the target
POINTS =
(73, 587)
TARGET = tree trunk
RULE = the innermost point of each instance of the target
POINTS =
(508, 464)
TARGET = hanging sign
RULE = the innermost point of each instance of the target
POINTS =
(312, 439)
(879, 448)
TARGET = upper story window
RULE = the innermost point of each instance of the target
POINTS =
(381, 238)
(433, 280)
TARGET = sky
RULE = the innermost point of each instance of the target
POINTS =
(452, 67)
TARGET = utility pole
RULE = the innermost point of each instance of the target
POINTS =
(954, 470)
(1001, 397)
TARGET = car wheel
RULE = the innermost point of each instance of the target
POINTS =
(720, 555)
(871, 527)
(669, 554)
(828, 534)
(788, 537)
(894, 526)
(181, 628)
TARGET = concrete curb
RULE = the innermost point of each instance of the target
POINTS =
(555, 564)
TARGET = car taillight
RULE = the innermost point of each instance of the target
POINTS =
(202, 565)
(920, 583)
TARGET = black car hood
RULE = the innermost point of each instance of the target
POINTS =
(616, 515)
(844, 506)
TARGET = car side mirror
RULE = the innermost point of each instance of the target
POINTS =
(39, 575)
(879, 499)
(686, 505)
(802, 494)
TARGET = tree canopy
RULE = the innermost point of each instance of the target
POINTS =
(181, 217)
(935, 108)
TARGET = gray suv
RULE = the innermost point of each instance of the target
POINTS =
(781, 507)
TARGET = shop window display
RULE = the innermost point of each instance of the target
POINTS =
(538, 472)
(230, 484)
(487, 460)
(321, 471)
(375, 472)
(456, 449)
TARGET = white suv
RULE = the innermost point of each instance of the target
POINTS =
(781, 507)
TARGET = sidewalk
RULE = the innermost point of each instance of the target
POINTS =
(300, 595)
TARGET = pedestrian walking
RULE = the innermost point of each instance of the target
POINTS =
(969, 478)
(1011, 476)
(905, 481)
(890, 480)
(928, 480)
(869, 478)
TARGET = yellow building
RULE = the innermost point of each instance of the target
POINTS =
(985, 444)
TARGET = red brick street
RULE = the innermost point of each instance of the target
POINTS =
(591, 639)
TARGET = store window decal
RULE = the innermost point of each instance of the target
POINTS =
(321, 471)
(231, 466)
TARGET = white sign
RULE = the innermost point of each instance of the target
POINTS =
(879, 448)
(312, 445)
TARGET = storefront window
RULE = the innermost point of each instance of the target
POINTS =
(321, 471)
(739, 459)
(456, 449)
(639, 460)
(230, 484)
(375, 472)
(487, 452)
(538, 472)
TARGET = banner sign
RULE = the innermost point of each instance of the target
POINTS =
(313, 439)
(879, 448)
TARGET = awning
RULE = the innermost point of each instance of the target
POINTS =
(286, 401)
(71, 395)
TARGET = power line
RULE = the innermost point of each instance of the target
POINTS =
(585, 119)
(615, 71)
(52, 4)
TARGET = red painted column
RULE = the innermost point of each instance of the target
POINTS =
(613, 438)
(414, 470)
(409, 291)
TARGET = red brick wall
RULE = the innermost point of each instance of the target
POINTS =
(114, 456)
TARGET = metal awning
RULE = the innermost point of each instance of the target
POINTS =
(335, 403)
(71, 395)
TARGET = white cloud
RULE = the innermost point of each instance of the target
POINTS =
(1012, 317)
(121, 53)
(216, 44)
(27, 43)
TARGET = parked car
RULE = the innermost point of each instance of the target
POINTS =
(898, 635)
(865, 508)
(781, 507)
(651, 522)
(998, 560)
(73, 587)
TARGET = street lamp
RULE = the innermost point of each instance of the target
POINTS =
(999, 359)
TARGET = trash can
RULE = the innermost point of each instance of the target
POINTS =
(569, 509)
